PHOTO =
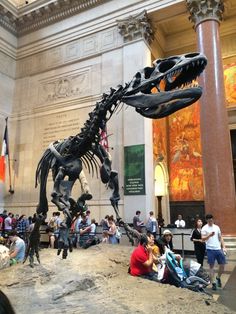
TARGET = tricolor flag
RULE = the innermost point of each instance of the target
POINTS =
(4, 154)
(103, 138)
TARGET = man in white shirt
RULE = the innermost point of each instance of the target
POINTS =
(216, 250)
(180, 223)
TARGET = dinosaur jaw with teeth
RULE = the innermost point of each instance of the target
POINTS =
(173, 78)
(162, 104)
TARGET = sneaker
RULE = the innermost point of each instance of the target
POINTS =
(218, 282)
(214, 287)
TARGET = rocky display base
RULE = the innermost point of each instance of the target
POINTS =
(95, 281)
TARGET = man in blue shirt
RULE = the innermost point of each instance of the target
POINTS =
(17, 248)
(84, 231)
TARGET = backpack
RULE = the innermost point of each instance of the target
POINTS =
(149, 225)
(118, 233)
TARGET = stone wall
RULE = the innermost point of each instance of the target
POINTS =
(61, 71)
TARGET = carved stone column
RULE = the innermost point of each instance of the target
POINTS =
(216, 147)
(137, 35)
(135, 27)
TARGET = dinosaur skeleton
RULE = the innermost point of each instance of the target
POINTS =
(155, 92)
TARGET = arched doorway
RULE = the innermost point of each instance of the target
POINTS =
(161, 183)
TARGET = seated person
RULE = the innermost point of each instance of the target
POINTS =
(93, 227)
(4, 255)
(141, 260)
(105, 228)
(84, 231)
(155, 250)
(165, 243)
(17, 248)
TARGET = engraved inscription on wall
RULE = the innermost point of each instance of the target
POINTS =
(73, 85)
(53, 127)
(59, 126)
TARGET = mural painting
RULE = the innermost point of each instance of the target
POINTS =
(230, 84)
(185, 159)
(160, 140)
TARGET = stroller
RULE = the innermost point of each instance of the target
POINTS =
(192, 277)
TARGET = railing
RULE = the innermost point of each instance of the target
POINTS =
(181, 237)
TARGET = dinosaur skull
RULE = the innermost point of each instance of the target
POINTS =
(173, 79)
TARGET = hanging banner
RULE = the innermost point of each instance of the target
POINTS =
(134, 180)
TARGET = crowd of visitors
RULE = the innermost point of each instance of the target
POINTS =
(151, 247)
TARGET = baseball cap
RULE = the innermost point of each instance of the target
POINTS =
(167, 232)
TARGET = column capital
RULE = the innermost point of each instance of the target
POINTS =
(136, 26)
(202, 10)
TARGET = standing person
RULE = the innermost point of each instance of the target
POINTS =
(84, 230)
(151, 225)
(8, 223)
(112, 231)
(73, 230)
(137, 223)
(14, 221)
(180, 223)
(3, 215)
(58, 222)
(77, 223)
(51, 226)
(215, 249)
(199, 244)
(23, 227)
(1, 226)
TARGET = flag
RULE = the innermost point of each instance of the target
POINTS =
(4, 155)
(103, 138)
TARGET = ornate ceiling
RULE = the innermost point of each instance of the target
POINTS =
(21, 17)
(173, 28)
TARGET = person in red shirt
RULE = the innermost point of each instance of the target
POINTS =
(1, 225)
(141, 261)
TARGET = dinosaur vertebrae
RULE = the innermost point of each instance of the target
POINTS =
(100, 115)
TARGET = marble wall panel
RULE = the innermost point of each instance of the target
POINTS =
(21, 95)
(69, 52)
(72, 51)
(54, 57)
(64, 86)
(112, 69)
(6, 94)
(7, 65)
(58, 87)
(108, 39)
